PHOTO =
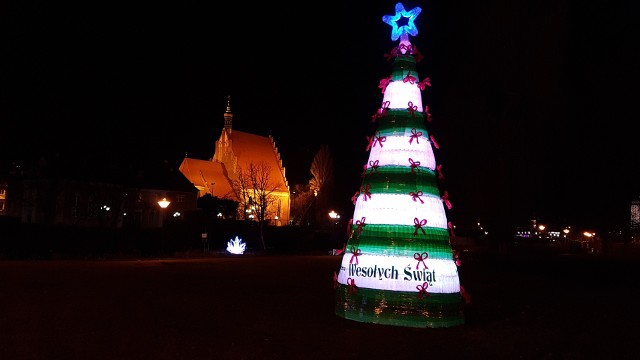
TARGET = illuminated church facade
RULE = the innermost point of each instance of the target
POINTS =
(236, 150)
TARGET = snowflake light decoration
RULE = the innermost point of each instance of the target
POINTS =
(236, 246)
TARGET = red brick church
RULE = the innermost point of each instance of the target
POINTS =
(237, 149)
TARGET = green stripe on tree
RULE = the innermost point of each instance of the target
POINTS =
(399, 307)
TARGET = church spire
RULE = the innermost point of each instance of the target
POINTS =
(228, 116)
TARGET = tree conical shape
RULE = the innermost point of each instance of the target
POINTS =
(398, 266)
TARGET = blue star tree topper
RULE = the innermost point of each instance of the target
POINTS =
(402, 32)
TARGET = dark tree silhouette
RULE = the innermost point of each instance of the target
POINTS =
(256, 188)
(322, 181)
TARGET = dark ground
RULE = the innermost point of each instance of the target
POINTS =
(281, 307)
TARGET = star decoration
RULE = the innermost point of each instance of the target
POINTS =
(403, 31)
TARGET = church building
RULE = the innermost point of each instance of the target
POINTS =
(235, 150)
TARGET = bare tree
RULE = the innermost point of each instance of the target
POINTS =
(321, 170)
(303, 202)
(242, 186)
(321, 182)
(311, 199)
(256, 193)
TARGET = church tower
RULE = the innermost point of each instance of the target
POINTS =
(228, 116)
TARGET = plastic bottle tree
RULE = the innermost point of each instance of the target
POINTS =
(398, 267)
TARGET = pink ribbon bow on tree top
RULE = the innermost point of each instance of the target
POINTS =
(445, 199)
(416, 196)
(373, 140)
(384, 108)
(415, 135)
(383, 111)
(409, 78)
(424, 83)
(366, 191)
(354, 254)
(384, 83)
(440, 175)
(361, 224)
(374, 165)
(421, 258)
(415, 165)
(352, 286)
(365, 167)
(412, 109)
(392, 54)
(369, 143)
(455, 257)
(379, 140)
(418, 225)
(422, 290)
(354, 198)
(433, 140)
(426, 111)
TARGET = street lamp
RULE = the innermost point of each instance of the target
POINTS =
(163, 205)
(335, 217)
(589, 240)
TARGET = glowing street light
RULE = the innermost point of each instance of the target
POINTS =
(164, 203)
(334, 216)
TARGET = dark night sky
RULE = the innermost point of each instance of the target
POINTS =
(533, 101)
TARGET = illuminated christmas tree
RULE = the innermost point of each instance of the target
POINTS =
(398, 267)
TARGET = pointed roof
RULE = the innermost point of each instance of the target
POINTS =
(209, 175)
(255, 148)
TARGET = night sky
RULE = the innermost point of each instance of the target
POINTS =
(533, 101)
